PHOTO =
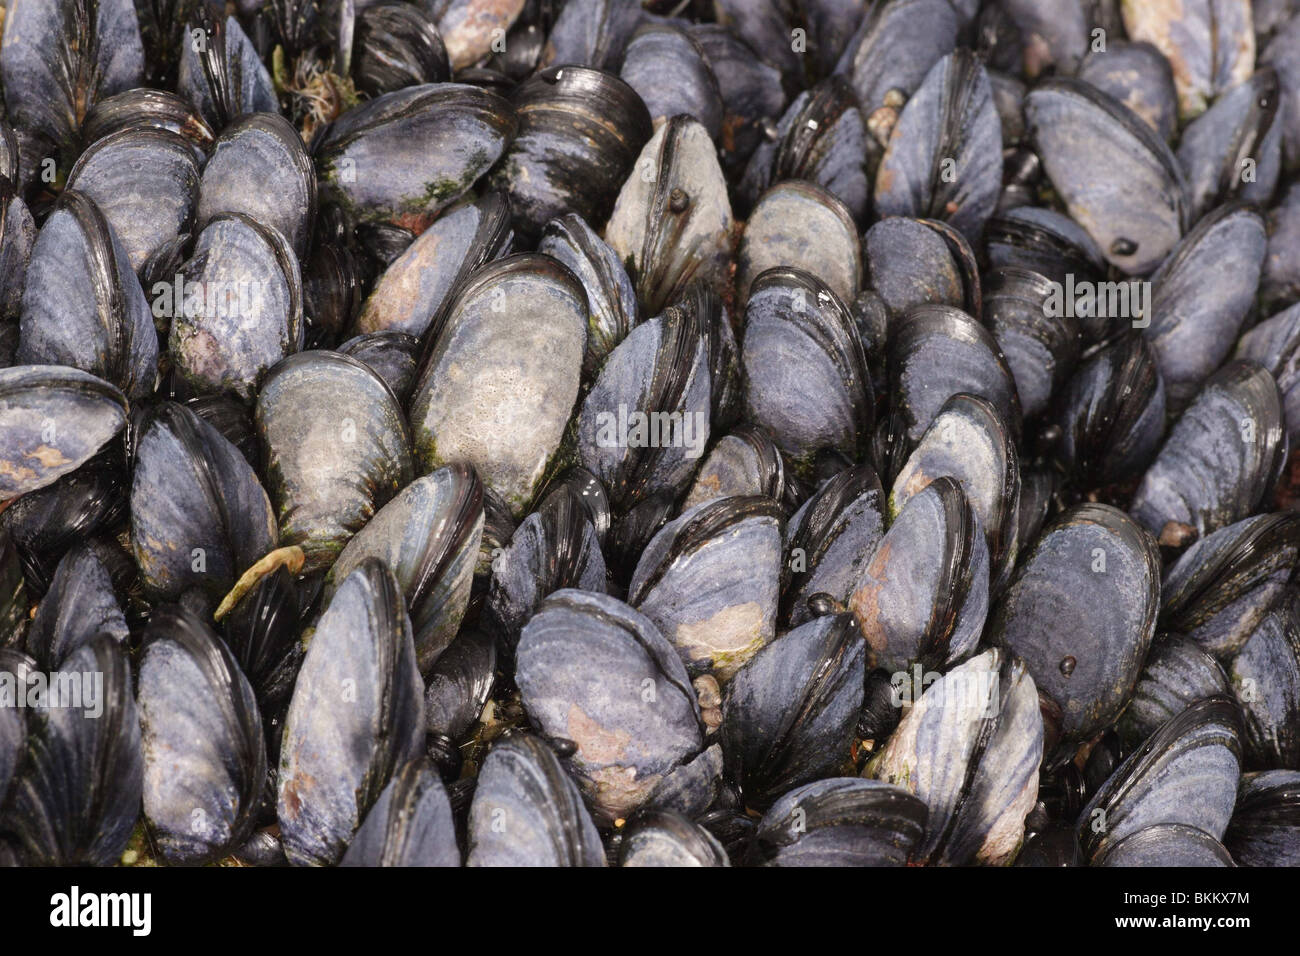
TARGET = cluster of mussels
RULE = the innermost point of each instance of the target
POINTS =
(605, 432)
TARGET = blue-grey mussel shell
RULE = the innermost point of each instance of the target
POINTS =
(1040, 344)
(822, 140)
(970, 748)
(146, 183)
(502, 376)
(1081, 611)
(969, 442)
(1167, 844)
(1139, 76)
(1211, 46)
(830, 539)
(710, 581)
(841, 821)
(336, 448)
(82, 304)
(1047, 242)
(527, 810)
(393, 356)
(259, 167)
(611, 300)
(1221, 458)
(1265, 676)
(668, 69)
(1177, 673)
(54, 49)
(944, 158)
(924, 594)
(396, 45)
(458, 687)
(199, 516)
(415, 290)
(911, 262)
(646, 421)
(1275, 344)
(237, 307)
(204, 750)
(893, 49)
(1265, 827)
(671, 223)
(17, 235)
(1201, 295)
(800, 225)
(595, 671)
(355, 718)
(1222, 587)
(1283, 53)
(1134, 203)
(801, 341)
(789, 714)
(663, 838)
(471, 28)
(580, 130)
(1186, 773)
(554, 548)
(1112, 413)
(77, 795)
(52, 420)
(79, 606)
(429, 535)
(751, 89)
(222, 74)
(404, 156)
(409, 825)
(144, 108)
(1280, 285)
(745, 461)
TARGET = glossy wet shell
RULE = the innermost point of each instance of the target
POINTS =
(1265, 676)
(503, 376)
(392, 355)
(251, 89)
(356, 716)
(52, 419)
(593, 670)
(909, 264)
(336, 447)
(1275, 344)
(528, 812)
(429, 536)
(1040, 346)
(895, 46)
(665, 839)
(710, 579)
(1081, 612)
(79, 606)
(409, 825)
(1177, 673)
(744, 462)
(241, 309)
(668, 69)
(1265, 827)
(1167, 844)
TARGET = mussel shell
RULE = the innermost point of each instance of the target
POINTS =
(710, 581)
(528, 812)
(240, 311)
(1265, 827)
(1265, 676)
(409, 825)
(458, 687)
(743, 462)
(199, 516)
(429, 536)
(908, 263)
(789, 714)
(1275, 344)
(580, 130)
(1047, 242)
(670, 72)
(595, 671)
(1139, 76)
(1133, 203)
(82, 304)
(390, 354)
(800, 340)
(799, 225)
(663, 838)
(14, 668)
(751, 90)
(17, 235)
(1112, 413)
(1200, 297)
(1167, 845)
(1081, 610)
(144, 108)
(404, 156)
(77, 796)
(841, 821)
(894, 48)
(222, 75)
(146, 183)
(1177, 673)
(924, 593)
(204, 752)
(1040, 347)
(1222, 456)
(591, 33)
(259, 167)
(501, 378)
(671, 223)
(356, 717)
(1185, 773)
(336, 449)
(79, 606)
(415, 290)
(943, 160)
(472, 28)
(396, 45)
(52, 420)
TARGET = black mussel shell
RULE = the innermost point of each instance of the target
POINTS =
(79, 606)
(409, 825)
(1265, 827)
(396, 45)
(667, 839)
(1177, 673)
(458, 687)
